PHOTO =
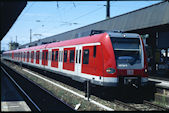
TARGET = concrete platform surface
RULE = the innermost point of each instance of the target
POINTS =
(14, 106)
(160, 83)
(10, 97)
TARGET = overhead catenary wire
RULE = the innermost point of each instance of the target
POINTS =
(71, 21)
(87, 13)
(83, 15)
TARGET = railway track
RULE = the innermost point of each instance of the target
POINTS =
(37, 98)
(155, 106)
(146, 106)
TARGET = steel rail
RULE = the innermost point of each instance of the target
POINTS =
(38, 109)
(39, 94)
(155, 106)
(126, 105)
(71, 91)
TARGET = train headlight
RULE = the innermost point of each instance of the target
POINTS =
(145, 70)
(110, 70)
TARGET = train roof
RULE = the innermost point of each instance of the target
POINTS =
(116, 33)
(84, 40)
(77, 41)
(125, 35)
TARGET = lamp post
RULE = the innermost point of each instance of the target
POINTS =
(30, 35)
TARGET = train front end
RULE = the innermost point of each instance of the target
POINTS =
(130, 59)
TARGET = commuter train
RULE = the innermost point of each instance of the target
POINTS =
(105, 58)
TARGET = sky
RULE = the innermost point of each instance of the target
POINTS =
(48, 18)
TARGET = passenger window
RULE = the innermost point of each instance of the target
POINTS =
(46, 55)
(65, 56)
(32, 55)
(24, 55)
(52, 55)
(37, 55)
(42, 55)
(56, 56)
(27, 55)
(76, 55)
(86, 56)
(62, 56)
(79, 56)
(94, 51)
(59, 56)
(72, 55)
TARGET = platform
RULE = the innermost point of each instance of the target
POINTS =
(10, 97)
(160, 83)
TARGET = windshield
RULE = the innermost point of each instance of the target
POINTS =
(125, 43)
(127, 51)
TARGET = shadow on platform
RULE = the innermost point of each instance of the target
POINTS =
(8, 90)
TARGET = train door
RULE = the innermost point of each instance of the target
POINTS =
(45, 57)
(54, 58)
(12, 55)
(60, 59)
(78, 60)
(28, 56)
(32, 56)
(37, 56)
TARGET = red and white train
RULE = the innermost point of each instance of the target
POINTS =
(106, 59)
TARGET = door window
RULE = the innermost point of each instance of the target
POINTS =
(72, 55)
(56, 55)
(86, 56)
(65, 56)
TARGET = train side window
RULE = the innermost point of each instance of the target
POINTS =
(72, 55)
(46, 55)
(86, 56)
(62, 56)
(52, 55)
(38, 55)
(43, 55)
(56, 55)
(94, 51)
(65, 56)
(32, 55)
(76, 55)
(27, 55)
(24, 55)
(79, 56)
(59, 56)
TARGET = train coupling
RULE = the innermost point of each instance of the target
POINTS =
(130, 81)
